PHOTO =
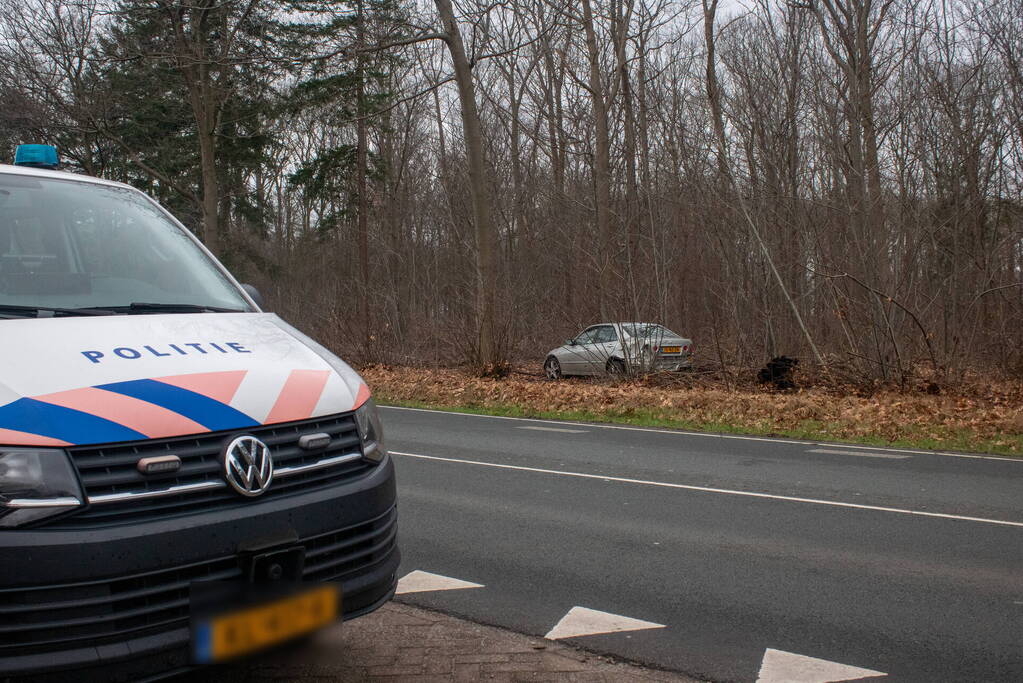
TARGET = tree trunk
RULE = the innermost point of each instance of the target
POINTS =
(632, 210)
(210, 187)
(601, 164)
(488, 355)
(361, 163)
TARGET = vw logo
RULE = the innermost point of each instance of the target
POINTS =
(248, 467)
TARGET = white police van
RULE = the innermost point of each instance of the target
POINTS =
(159, 435)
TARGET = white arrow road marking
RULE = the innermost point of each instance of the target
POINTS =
(833, 451)
(421, 582)
(555, 429)
(785, 667)
(581, 621)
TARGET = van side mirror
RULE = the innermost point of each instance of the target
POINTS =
(255, 295)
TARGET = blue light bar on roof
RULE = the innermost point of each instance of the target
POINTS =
(37, 156)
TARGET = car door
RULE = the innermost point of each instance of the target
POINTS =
(605, 346)
(576, 359)
(596, 351)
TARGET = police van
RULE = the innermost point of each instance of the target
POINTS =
(184, 478)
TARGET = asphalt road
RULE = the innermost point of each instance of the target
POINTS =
(902, 562)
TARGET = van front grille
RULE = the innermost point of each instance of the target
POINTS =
(118, 493)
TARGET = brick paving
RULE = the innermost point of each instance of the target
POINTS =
(405, 643)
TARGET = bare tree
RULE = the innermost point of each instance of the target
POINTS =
(486, 238)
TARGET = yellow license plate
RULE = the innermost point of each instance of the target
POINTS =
(671, 349)
(245, 631)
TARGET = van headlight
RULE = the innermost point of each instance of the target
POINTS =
(371, 431)
(36, 483)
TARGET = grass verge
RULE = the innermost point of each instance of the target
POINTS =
(810, 430)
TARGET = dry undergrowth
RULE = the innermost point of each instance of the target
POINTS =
(974, 416)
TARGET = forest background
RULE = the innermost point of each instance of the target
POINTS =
(428, 185)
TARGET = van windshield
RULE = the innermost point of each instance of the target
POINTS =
(68, 245)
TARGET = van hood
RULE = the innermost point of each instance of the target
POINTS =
(105, 379)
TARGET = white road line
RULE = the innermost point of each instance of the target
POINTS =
(710, 435)
(709, 489)
(786, 667)
(835, 451)
(555, 429)
(582, 621)
(420, 582)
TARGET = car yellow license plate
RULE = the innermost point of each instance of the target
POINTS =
(238, 633)
(670, 349)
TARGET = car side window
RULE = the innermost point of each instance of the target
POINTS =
(587, 336)
(605, 334)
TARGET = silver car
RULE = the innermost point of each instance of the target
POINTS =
(618, 348)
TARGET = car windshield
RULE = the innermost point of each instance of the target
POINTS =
(647, 330)
(67, 244)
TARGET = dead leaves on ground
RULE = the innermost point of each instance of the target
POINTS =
(990, 418)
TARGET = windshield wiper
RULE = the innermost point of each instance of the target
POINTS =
(143, 307)
(41, 311)
(136, 307)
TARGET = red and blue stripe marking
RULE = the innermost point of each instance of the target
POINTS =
(153, 408)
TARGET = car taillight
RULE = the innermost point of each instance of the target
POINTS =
(685, 348)
(656, 349)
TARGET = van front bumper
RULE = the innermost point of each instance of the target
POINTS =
(112, 603)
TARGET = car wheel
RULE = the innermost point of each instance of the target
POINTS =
(616, 367)
(552, 368)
